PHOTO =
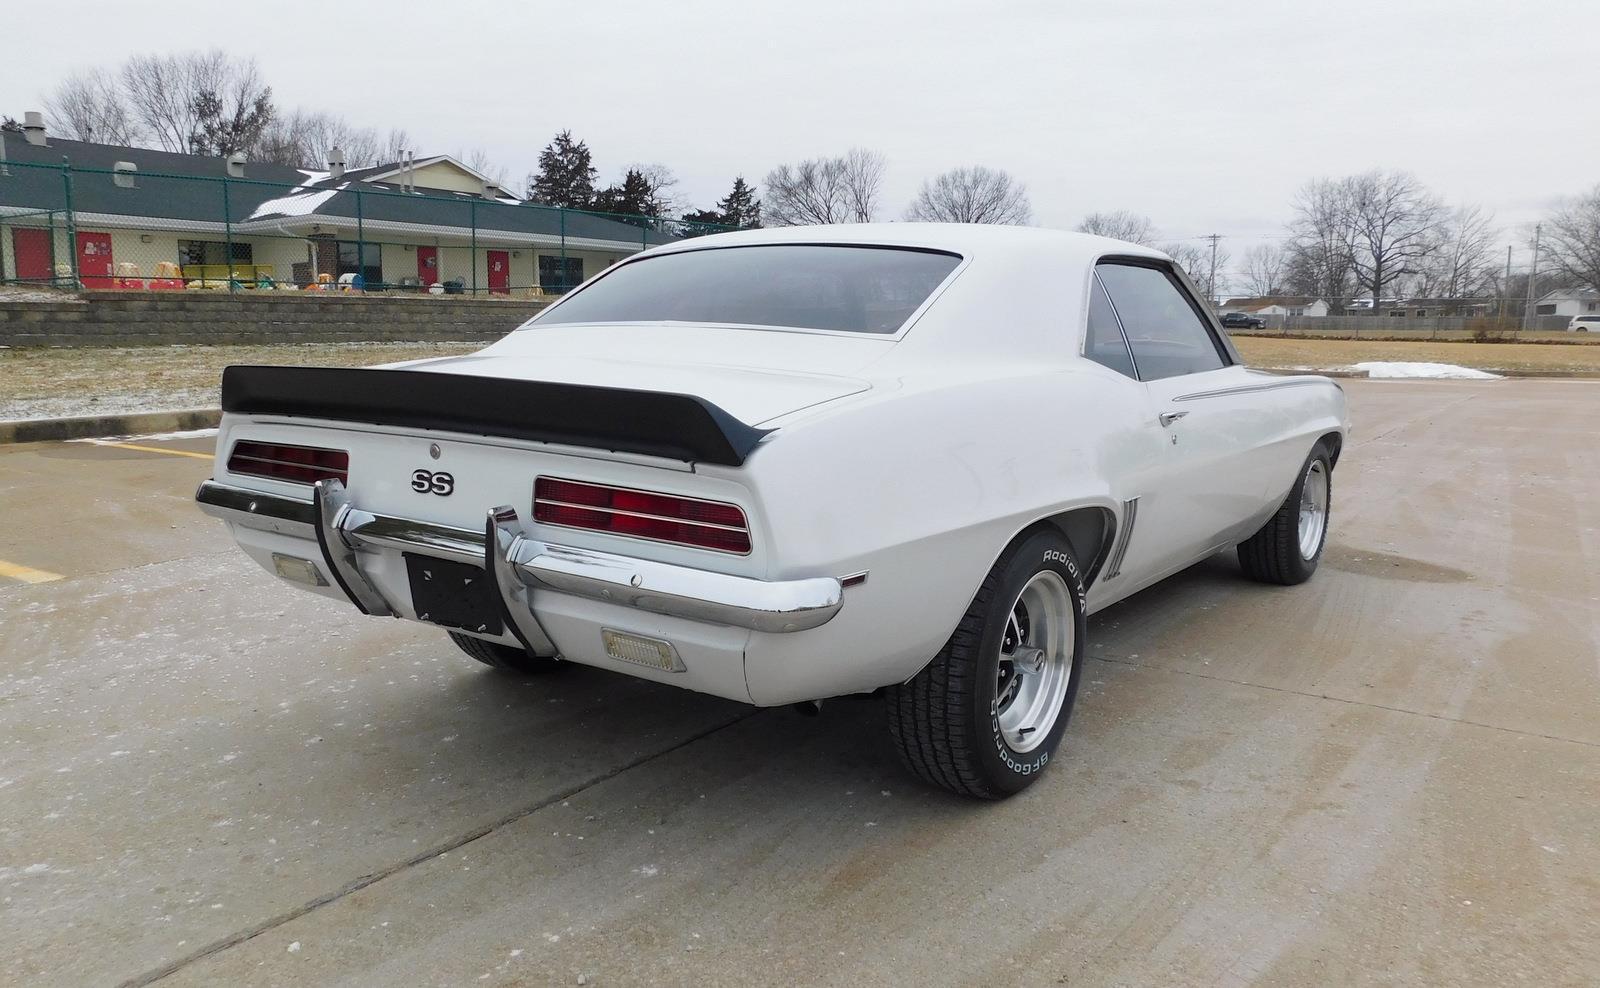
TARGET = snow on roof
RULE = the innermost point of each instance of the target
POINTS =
(297, 203)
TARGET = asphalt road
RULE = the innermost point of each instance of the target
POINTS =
(1390, 774)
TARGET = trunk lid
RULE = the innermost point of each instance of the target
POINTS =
(755, 375)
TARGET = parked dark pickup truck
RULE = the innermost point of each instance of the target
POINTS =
(1241, 320)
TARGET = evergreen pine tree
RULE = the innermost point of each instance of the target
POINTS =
(741, 209)
(565, 176)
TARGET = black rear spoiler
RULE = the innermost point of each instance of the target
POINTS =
(655, 423)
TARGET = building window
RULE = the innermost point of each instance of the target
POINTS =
(554, 279)
(1546, 310)
(363, 259)
(192, 252)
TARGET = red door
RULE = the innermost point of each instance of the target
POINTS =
(32, 251)
(499, 272)
(94, 260)
(428, 265)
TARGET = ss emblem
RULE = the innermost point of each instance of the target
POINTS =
(430, 482)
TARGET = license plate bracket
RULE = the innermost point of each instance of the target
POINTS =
(452, 594)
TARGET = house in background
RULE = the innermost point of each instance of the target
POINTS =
(1282, 306)
(137, 214)
(1569, 302)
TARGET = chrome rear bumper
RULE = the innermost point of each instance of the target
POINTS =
(521, 566)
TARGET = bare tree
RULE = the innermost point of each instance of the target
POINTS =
(164, 93)
(1195, 260)
(971, 195)
(393, 144)
(1392, 223)
(1465, 263)
(1264, 269)
(479, 161)
(304, 139)
(195, 102)
(825, 190)
(664, 198)
(863, 181)
(1573, 233)
(1319, 263)
(90, 106)
(1120, 225)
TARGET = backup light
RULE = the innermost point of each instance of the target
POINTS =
(641, 514)
(297, 569)
(656, 653)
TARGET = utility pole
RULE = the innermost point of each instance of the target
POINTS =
(1505, 286)
(1211, 283)
(1533, 277)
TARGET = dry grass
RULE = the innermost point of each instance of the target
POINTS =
(38, 383)
(1259, 351)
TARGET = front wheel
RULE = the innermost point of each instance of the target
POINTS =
(984, 718)
(1288, 547)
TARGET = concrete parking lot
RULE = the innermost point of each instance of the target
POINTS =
(1390, 774)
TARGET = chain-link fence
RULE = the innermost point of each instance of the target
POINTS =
(69, 227)
(1478, 317)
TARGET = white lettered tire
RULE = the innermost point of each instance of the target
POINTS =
(986, 716)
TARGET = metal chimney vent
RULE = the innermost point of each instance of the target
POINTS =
(236, 165)
(336, 162)
(122, 174)
(33, 128)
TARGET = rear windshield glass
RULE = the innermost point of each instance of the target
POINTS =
(806, 286)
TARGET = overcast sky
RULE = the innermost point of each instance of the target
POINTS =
(1204, 116)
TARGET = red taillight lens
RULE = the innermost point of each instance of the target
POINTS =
(641, 514)
(296, 464)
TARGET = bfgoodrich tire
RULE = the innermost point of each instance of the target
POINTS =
(987, 714)
(1288, 547)
(504, 657)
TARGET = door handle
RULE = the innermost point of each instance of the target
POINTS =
(1167, 418)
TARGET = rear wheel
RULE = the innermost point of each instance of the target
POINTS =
(504, 656)
(986, 715)
(1288, 547)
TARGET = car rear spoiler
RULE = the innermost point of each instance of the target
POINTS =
(681, 427)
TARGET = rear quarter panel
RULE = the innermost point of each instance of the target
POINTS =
(923, 489)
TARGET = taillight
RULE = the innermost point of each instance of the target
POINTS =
(295, 464)
(641, 514)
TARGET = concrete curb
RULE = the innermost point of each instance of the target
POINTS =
(95, 426)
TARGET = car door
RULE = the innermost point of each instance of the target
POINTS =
(1211, 485)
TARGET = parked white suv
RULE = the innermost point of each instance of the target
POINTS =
(1584, 324)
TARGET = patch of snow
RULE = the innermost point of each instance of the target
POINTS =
(180, 434)
(1419, 369)
(294, 204)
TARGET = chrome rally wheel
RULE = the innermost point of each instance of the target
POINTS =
(1313, 508)
(1035, 663)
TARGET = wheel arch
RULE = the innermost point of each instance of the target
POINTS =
(1335, 441)
(1090, 529)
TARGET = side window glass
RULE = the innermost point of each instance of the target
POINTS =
(1167, 336)
(1103, 342)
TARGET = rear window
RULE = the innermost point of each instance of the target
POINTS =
(805, 286)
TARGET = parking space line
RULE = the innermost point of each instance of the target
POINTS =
(155, 449)
(27, 574)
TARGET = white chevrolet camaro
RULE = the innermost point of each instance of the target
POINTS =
(784, 465)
